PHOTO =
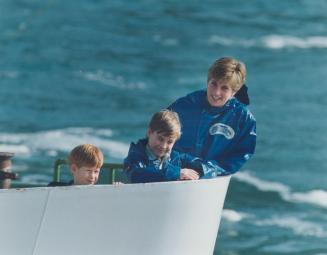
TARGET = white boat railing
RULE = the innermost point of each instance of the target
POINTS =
(172, 218)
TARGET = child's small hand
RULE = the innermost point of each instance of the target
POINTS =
(189, 174)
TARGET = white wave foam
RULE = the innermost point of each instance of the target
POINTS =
(225, 41)
(109, 79)
(20, 149)
(314, 197)
(53, 141)
(298, 226)
(279, 42)
(272, 42)
(168, 42)
(261, 184)
(233, 216)
(318, 197)
(287, 246)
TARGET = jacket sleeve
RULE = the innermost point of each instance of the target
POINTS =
(232, 161)
(140, 172)
(191, 162)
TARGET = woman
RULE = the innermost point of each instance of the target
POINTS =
(215, 125)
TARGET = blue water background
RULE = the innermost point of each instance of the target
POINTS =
(94, 71)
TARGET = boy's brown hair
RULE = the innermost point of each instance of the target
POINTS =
(166, 122)
(86, 155)
(228, 70)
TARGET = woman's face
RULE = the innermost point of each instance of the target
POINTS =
(218, 93)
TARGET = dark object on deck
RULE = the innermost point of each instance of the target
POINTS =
(5, 170)
(242, 95)
(7, 175)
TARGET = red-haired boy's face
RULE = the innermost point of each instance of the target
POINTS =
(85, 175)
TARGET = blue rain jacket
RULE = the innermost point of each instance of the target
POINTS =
(224, 137)
(141, 169)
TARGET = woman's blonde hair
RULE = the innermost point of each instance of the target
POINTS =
(228, 70)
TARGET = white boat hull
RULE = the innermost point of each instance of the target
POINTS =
(173, 218)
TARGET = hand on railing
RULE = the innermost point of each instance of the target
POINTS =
(189, 174)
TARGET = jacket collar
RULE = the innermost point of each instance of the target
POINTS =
(216, 110)
(142, 148)
(152, 156)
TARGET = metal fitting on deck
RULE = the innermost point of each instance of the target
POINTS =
(6, 175)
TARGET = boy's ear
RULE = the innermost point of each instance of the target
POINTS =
(149, 132)
(73, 168)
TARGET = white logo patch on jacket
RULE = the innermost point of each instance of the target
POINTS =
(222, 129)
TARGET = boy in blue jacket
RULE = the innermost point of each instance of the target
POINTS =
(153, 160)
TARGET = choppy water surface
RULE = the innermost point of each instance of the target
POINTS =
(95, 71)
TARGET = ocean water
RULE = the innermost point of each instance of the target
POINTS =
(94, 71)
